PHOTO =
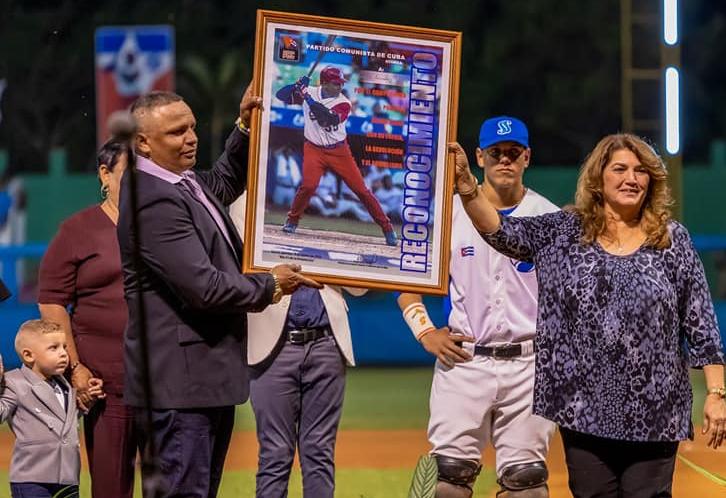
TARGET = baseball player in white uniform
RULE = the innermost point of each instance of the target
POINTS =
(325, 110)
(484, 374)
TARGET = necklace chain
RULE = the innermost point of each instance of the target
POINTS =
(110, 207)
(615, 243)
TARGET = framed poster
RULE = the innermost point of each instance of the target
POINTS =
(349, 171)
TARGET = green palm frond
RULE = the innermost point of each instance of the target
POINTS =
(200, 72)
(230, 69)
(424, 480)
(67, 492)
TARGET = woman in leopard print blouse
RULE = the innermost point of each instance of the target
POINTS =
(624, 311)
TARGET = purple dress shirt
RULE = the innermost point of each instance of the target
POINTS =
(188, 181)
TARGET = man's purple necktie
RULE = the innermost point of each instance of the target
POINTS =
(189, 179)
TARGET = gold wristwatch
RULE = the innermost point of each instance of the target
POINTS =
(719, 391)
(277, 294)
(242, 127)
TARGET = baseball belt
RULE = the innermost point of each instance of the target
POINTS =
(505, 351)
(303, 336)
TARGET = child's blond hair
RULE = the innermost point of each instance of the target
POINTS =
(31, 330)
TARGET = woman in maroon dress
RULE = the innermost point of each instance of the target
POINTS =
(81, 288)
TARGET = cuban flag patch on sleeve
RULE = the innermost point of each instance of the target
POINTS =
(467, 251)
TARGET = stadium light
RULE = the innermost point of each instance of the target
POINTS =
(670, 22)
(672, 101)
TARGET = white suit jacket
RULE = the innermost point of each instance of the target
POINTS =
(264, 328)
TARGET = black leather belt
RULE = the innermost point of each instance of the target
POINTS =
(502, 351)
(303, 336)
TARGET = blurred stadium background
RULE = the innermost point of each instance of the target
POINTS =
(561, 66)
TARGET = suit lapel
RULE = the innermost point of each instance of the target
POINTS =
(328, 295)
(231, 230)
(233, 235)
(71, 408)
(42, 390)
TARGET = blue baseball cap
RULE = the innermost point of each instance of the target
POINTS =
(503, 129)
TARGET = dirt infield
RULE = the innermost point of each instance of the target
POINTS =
(401, 449)
(331, 241)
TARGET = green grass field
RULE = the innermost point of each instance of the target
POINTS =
(378, 399)
(350, 483)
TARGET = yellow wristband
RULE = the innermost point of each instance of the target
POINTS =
(719, 391)
(418, 320)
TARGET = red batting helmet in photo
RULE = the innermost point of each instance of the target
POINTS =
(332, 74)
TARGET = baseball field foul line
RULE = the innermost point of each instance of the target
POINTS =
(704, 472)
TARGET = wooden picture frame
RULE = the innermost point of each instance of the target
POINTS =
(388, 127)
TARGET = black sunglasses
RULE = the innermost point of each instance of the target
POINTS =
(511, 153)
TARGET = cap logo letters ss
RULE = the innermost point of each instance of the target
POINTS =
(504, 127)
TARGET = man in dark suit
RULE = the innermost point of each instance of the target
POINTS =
(193, 291)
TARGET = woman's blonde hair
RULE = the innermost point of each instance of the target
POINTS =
(589, 201)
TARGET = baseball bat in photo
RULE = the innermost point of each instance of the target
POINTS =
(328, 42)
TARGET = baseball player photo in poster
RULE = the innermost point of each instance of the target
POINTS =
(349, 175)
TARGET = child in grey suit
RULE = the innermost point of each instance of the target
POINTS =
(40, 407)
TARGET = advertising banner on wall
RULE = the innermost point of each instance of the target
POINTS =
(130, 61)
